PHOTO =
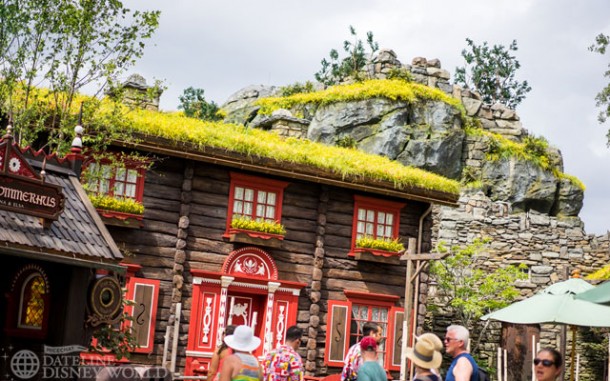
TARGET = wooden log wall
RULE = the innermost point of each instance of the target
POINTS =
(185, 217)
(343, 273)
(154, 245)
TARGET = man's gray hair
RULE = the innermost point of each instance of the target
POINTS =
(461, 333)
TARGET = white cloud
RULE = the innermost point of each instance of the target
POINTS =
(224, 46)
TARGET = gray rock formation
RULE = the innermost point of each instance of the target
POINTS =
(240, 107)
(522, 184)
(427, 135)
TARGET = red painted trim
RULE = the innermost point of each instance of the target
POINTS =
(250, 253)
(119, 215)
(132, 268)
(346, 331)
(129, 164)
(391, 329)
(256, 183)
(217, 275)
(378, 205)
(380, 253)
(132, 282)
(253, 234)
(368, 297)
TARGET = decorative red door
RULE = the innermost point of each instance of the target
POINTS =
(247, 291)
(247, 310)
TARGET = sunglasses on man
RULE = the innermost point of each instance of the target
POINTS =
(545, 363)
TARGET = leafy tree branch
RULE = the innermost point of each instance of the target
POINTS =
(336, 70)
(467, 289)
(602, 98)
(491, 72)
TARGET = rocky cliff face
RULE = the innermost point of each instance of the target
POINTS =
(429, 135)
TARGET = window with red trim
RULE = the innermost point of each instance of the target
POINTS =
(255, 198)
(375, 218)
(346, 318)
(123, 180)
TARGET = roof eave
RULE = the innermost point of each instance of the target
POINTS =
(287, 170)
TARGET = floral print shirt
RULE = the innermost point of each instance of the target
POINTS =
(283, 364)
(352, 362)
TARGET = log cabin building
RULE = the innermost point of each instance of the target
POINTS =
(191, 271)
(205, 273)
(312, 275)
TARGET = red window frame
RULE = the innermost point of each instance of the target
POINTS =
(257, 185)
(391, 333)
(380, 208)
(112, 181)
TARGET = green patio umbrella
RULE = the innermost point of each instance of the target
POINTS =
(557, 304)
(599, 294)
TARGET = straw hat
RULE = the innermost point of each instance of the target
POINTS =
(435, 340)
(243, 339)
(424, 354)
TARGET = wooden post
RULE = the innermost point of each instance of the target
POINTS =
(408, 304)
(572, 370)
(412, 273)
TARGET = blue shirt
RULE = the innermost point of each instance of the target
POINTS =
(475, 368)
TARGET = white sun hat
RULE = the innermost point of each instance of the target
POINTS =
(243, 339)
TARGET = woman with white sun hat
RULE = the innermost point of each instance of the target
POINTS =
(241, 365)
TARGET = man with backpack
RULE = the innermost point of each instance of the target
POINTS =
(463, 367)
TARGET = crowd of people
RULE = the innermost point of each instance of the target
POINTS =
(233, 361)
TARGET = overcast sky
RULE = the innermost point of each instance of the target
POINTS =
(223, 46)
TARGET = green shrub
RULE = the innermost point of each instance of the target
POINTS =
(367, 242)
(400, 73)
(346, 142)
(297, 88)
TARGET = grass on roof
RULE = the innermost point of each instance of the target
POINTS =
(106, 120)
(393, 89)
(255, 142)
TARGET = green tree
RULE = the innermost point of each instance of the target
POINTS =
(336, 70)
(51, 49)
(603, 97)
(63, 45)
(194, 105)
(469, 291)
(491, 71)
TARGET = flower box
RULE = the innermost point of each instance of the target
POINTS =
(121, 219)
(252, 237)
(376, 255)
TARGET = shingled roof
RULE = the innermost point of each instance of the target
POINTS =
(77, 237)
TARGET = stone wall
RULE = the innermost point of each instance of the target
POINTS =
(551, 244)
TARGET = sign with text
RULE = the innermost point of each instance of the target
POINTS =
(32, 197)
